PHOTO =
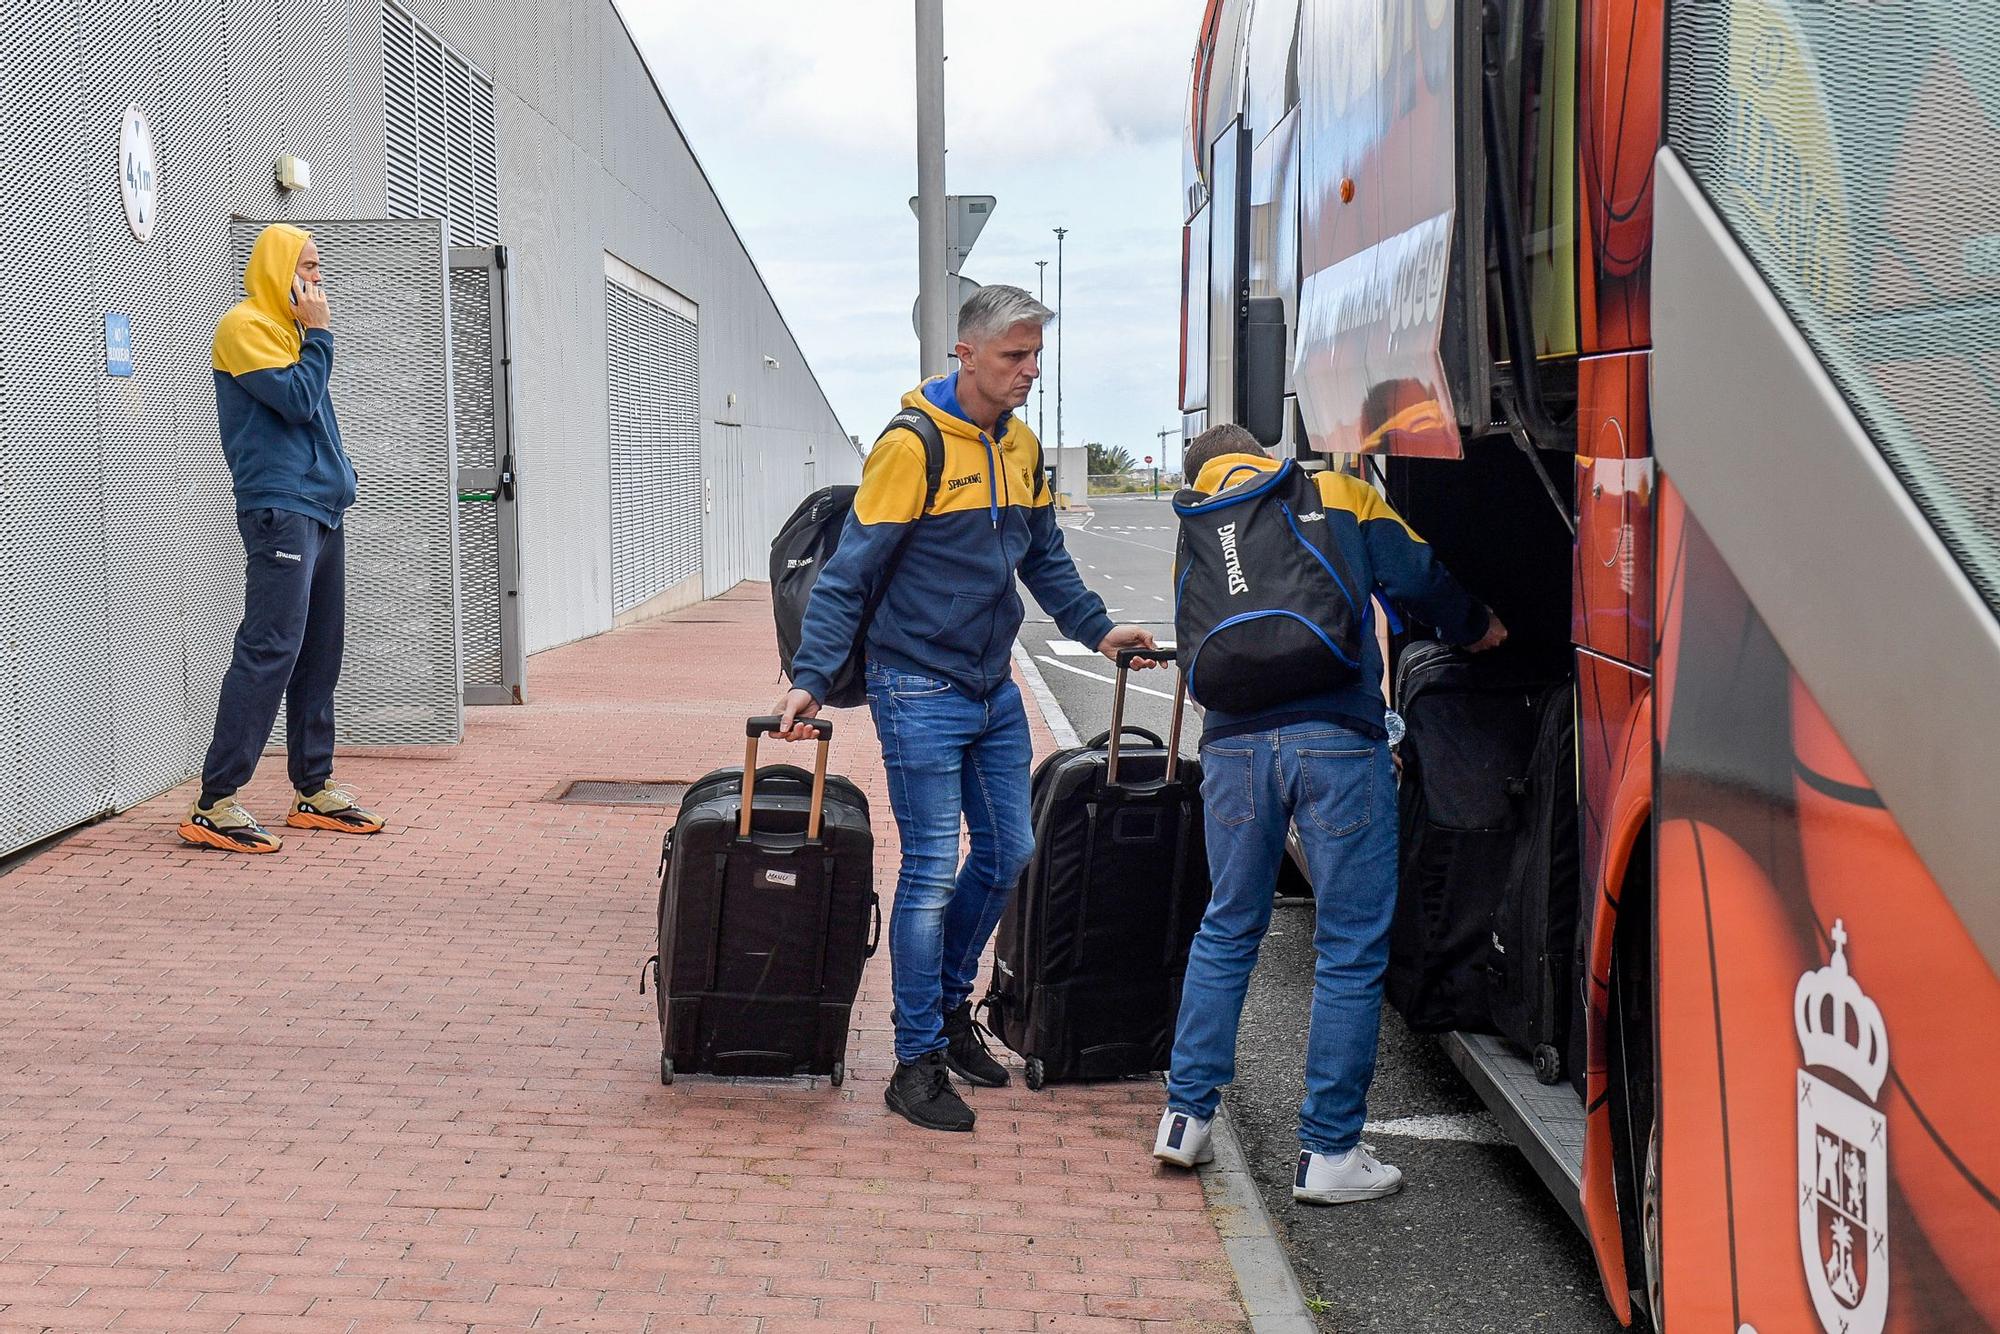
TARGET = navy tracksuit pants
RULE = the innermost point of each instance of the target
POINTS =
(287, 649)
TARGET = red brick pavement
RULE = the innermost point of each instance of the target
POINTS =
(408, 1081)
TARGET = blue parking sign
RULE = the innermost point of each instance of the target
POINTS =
(117, 344)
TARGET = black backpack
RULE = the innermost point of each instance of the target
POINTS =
(1266, 609)
(807, 542)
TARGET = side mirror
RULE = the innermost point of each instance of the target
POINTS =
(1263, 406)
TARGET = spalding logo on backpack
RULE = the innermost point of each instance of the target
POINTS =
(1265, 610)
(1231, 561)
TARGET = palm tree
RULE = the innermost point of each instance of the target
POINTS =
(1109, 460)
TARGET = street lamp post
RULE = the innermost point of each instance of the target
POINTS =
(1042, 295)
(1061, 319)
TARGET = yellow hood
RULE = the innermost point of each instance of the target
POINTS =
(1218, 468)
(258, 333)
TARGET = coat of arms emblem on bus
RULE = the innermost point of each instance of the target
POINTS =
(1843, 1147)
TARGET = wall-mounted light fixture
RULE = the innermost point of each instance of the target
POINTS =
(294, 173)
(770, 363)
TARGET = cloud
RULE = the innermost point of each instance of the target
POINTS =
(1070, 113)
(1042, 79)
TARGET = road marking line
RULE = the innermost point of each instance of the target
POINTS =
(1463, 1127)
(1127, 587)
(1069, 648)
(1143, 690)
(1130, 542)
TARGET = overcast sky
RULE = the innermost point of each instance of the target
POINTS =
(803, 115)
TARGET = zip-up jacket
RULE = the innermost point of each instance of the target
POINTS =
(1392, 563)
(278, 429)
(950, 608)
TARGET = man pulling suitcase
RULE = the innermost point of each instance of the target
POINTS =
(928, 587)
(1277, 569)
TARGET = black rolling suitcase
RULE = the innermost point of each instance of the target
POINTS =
(767, 915)
(1471, 726)
(1088, 965)
(1531, 954)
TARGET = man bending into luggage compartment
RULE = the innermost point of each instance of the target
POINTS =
(1323, 764)
(940, 685)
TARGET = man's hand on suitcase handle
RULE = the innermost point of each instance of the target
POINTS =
(794, 711)
(1129, 637)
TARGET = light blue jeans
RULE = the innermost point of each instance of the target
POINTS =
(1339, 787)
(948, 756)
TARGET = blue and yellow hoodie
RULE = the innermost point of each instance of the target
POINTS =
(951, 610)
(278, 431)
(1393, 563)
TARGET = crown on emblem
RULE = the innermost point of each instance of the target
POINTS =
(1840, 1029)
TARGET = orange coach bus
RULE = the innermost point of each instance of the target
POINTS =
(1675, 327)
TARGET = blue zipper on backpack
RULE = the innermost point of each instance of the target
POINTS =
(1319, 556)
(1224, 502)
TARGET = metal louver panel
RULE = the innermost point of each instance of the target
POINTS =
(193, 133)
(441, 159)
(399, 103)
(401, 680)
(656, 480)
(55, 656)
(146, 524)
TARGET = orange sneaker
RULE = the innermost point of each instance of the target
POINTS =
(228, 827)
(333, 807)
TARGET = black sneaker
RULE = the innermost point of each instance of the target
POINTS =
(966, 1053)
(921, 1093)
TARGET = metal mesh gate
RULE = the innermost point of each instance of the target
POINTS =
(401, 679)
(488, 546)
(656, 481)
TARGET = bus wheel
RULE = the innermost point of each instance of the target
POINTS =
(1635, 1128)
(1649, 1223)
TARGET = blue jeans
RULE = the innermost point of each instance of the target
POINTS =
(1339, 787)
(948, 755)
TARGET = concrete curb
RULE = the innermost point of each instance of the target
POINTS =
(1045, 699)
(1269, 1289)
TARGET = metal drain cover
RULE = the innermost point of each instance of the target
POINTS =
(601, 792)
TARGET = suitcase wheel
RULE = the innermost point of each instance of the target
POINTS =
(1037, 1075)
(666, 1069)
(1548, 1064)
(839, 1074)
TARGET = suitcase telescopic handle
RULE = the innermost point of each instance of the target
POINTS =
(1126, 657)
(763, 725)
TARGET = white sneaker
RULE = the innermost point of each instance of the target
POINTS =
(1183, 1140)
(1346, 1178)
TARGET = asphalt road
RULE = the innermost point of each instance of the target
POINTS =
(1474, 1242)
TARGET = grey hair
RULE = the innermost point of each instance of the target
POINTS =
(996, 309)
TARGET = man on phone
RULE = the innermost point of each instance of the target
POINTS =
(293, 481)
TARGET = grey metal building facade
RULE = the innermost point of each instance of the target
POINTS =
(659, 417)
